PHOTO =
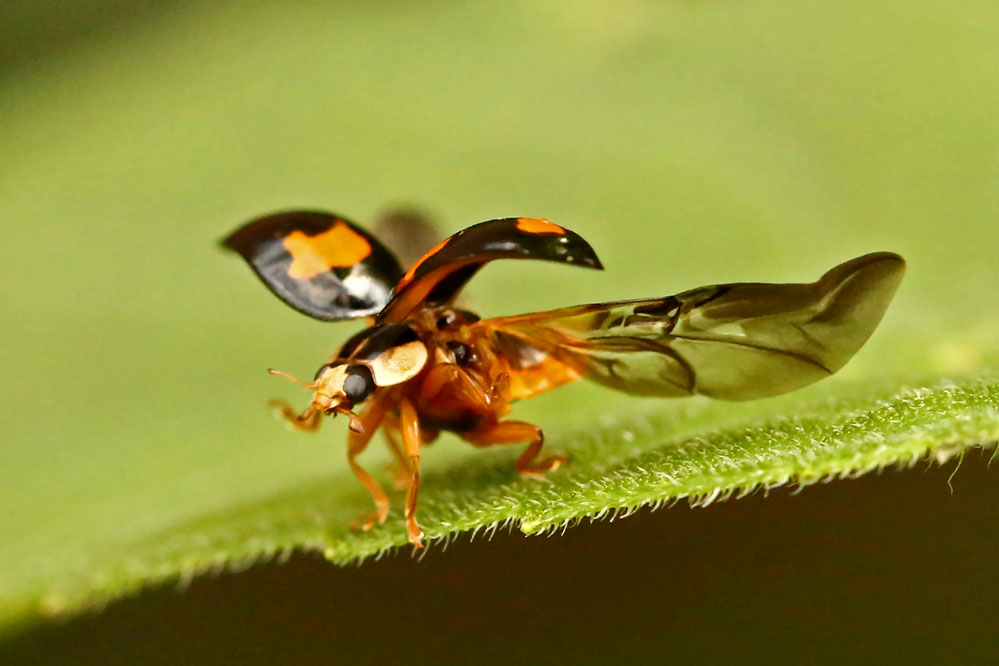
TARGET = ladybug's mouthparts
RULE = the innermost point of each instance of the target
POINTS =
(355, 423)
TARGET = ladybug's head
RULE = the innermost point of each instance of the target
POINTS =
(377, 357)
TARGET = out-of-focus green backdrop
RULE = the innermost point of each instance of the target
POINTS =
(690, 142)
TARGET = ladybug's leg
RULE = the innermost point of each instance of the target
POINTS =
(410, 425)
(308, 420)
(400, 470)
(509, 432)
(370, 419)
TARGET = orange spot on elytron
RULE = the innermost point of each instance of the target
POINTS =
(538, 226)
(338, 247)
(408, 277)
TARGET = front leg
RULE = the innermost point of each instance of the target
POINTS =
(409, 424)
(400, 470)
(370, 419)
(307, 421)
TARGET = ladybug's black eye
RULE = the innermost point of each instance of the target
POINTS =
(445, 320)
(358, 384)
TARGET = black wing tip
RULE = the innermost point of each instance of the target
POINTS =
(581, 252)
(240, 241)
(593, 262)
(226, 243)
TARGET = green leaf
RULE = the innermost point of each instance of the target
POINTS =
(627, 464)
(136, 445)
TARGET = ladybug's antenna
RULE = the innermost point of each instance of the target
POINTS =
(278, 373)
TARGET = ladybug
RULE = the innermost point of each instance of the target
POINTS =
(424, 365)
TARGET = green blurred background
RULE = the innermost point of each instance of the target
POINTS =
(690, 142)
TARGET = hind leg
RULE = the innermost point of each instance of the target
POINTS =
(511, 432)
